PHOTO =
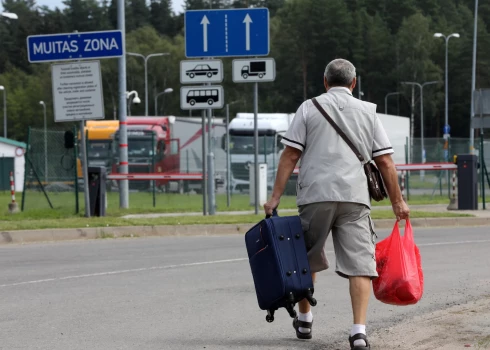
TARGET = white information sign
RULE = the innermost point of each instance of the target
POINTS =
(202, 97)
(254, 70)
(77, 91)
(198, 71)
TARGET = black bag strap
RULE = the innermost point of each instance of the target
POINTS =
(339, 131)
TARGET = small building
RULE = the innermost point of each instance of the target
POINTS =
(12, 159)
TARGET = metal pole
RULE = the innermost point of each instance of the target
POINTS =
(360, 91)
(45, 146)
(204, 168)
(422, 172)
(146, 86)
(156, 105)
(85, 169)
(5, 112)
(446, 112)
(473, 79)
(256, 146)
(123, 132)
(228, 170)
(153, 182)
(211, 193)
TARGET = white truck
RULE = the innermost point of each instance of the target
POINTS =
(271, 128)
(189, 132)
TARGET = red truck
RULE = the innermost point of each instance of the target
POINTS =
(151, 149)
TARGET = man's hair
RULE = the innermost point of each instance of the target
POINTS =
(340, 72)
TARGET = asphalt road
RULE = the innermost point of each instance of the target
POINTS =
(197, 293)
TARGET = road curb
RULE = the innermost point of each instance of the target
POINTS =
(47, 235)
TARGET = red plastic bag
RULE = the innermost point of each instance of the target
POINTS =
(399, 266)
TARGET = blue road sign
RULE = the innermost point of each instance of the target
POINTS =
(222, 33)
(75, 46)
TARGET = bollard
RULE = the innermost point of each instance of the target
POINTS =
(13, 207)
(453, 204)
(403, 186)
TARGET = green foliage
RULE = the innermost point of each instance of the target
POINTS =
(389, 41)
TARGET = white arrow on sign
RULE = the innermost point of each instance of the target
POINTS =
(247, 22)
(204, 24)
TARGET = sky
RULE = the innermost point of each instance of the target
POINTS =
(176, 4)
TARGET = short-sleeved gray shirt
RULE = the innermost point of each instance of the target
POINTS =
(329, 169)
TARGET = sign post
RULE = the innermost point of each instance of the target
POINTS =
(77, 86)
(77, 94)
(226, 33)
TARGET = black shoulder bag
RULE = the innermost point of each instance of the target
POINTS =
(376, 187)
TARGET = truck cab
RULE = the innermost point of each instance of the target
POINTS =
(151, 149)
(271, 128)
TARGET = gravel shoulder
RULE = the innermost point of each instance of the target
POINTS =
(461, 326)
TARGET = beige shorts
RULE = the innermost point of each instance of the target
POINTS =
(353, 236)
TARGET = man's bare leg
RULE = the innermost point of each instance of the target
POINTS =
(360, 291)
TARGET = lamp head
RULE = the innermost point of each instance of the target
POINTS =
(168, 90)
(2, 87)
(9, 15)
(136, 100)
(438, 35)
(456, 35)
(41, 102)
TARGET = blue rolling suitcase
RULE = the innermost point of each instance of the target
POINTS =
(279, 263)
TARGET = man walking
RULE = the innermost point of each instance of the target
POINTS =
(332, 191)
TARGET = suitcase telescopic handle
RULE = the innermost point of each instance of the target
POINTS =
(274, 213)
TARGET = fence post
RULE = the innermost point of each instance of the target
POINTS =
(482, 167)
(453, 204)
(75, 151)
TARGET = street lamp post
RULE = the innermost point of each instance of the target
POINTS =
(386, 99)
(136, 99)
(45, 143)
(446, 38)
(2, 88)
(146, 58)
(421, 86)
(164, 92)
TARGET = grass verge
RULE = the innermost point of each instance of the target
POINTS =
(81, 222)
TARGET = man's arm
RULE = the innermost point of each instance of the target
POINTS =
(387, 168)
(287, 162)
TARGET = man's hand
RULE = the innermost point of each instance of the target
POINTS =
(272, 204)
(401, 210)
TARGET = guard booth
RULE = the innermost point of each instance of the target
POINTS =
(467, 181)
(97, 191)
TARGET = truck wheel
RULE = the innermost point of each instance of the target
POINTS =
(261, 75)
(209, 74)
(245, 75)
(210, 102)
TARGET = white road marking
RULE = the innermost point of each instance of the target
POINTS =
(167, 267)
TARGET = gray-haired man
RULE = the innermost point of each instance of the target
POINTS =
(332, 192)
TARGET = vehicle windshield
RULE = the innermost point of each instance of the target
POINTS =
(99, 149)
(245, 144)
(140, 148)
